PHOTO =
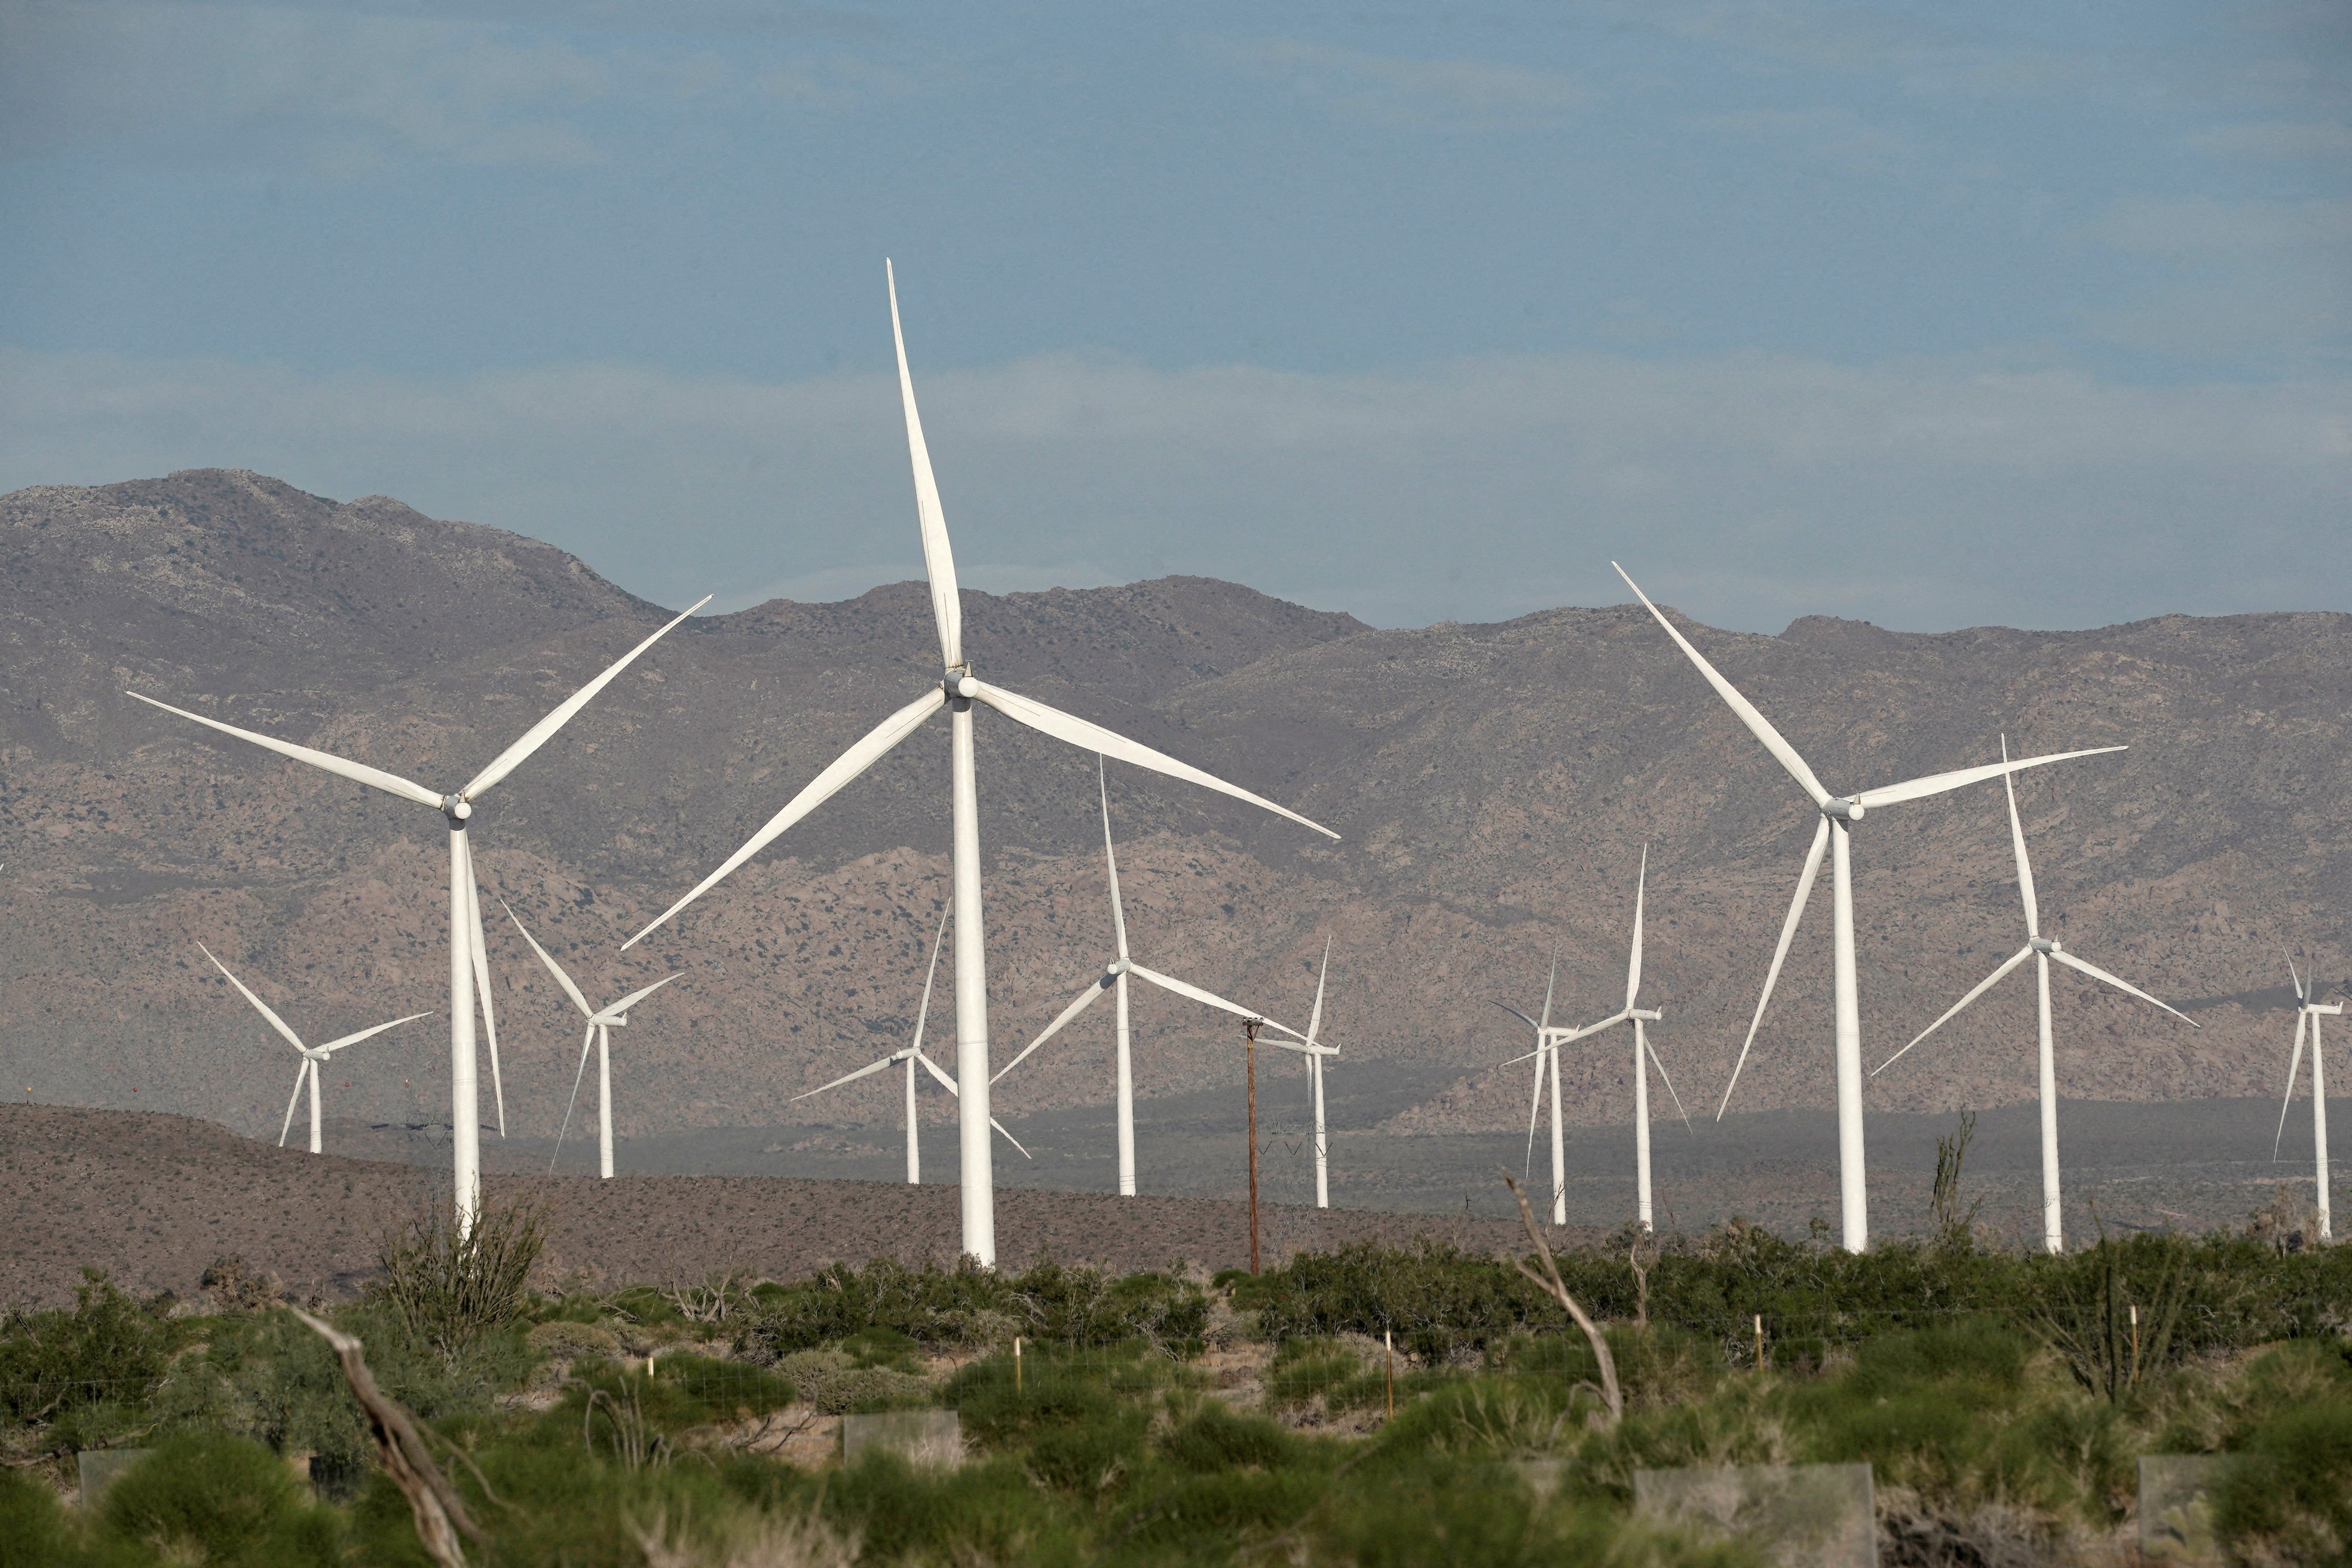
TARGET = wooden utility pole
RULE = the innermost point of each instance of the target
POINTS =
(1249, 1028)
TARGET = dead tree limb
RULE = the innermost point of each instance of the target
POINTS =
(1549, 1281)
(439, 1511)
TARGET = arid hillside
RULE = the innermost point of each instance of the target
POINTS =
(1494, 785)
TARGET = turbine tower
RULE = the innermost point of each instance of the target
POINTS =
(913, 1056)
(958, 690)
(2309, 1009)
(601, 1025)
(1315, 1052)
(1113, 979)
(2041, 950)
(469, 963)
(1838, 813)
(1546, 1061)
(313, 1057)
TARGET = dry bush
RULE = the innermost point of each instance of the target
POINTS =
(451, 1287)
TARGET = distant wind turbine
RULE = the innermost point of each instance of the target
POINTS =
(1113, 979)
(1315, 1073)
(913, 1056)
(468, 960)
(957, 691)
(2308, 1006)
(1547, 1062)
(1838, 813)
(2041, 950)
(601, 1025)
(313, 1057)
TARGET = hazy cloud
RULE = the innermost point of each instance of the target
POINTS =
(1432, 94)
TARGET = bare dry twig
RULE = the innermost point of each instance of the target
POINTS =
(440, 1513)
(1549, 1281)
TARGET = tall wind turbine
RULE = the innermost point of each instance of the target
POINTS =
(2308, 1006)
(913, 1056)
(1113, 979)
(1838, 813)
(602, 1022)
(2041, 950)
(468, 960)
(1315, 1075)
(314, 1056)
(958, 690)
(1547, 1062)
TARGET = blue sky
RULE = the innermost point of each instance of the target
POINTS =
(1930, 315)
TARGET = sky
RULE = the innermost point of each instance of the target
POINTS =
(1934, 316)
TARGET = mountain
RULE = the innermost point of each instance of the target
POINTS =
(1495, 785)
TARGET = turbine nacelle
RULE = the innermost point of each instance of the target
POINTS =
(960, 684)
(2043, 945)
(457, 809)
(1844, 810)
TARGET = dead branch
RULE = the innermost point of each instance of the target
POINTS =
(1549, 1281)
(439, 1511)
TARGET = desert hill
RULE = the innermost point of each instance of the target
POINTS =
(1495, 785)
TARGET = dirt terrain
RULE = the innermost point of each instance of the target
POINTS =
(1494, 786)
(154, 1199)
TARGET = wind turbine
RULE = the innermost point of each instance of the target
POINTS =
(1838, 813)
(2041, 950)
(314, 1055)
(913, 1056)
(1546, 1061)
(958, 690)
(601, 1025)
(2307, 1006)
(1315, 1075)
(468, 960)
(1114, 978)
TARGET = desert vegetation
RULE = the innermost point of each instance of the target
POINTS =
(1369, 1406)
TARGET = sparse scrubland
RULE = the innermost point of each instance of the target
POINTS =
(2001, 1399)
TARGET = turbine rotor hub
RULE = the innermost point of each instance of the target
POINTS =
(457, 809)
(960, 683)
(2043, 945)
(1842, 809)
(1116, 966)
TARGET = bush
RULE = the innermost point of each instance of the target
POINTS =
(2289, 1496)
(453, 1288)
(970, 1305)
(33, 1532)
(567, 1340)
(219, 1501)
(107, 1351)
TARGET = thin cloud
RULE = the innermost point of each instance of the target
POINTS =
(1416, 93)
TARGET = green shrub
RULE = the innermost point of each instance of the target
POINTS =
(268, 1377)
(2289, 1496)
(453, 1287)
(995, 1407)
(216, 1500)
(1214, 1439)
(34, 1529)
(1090, 1458)
(564, 1338)
(109, 1350)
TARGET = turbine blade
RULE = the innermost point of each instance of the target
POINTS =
(1206, 998)
(359, 772)
(563, 979)
(334, 1046)
(618, 1012)
(939, 561)
(1535, 1104)
(276, 1021)
(2017, 840)
(1595, 1028)
(2294, 1066)
(577, 1074)
(1987, 984)
(535, 737)
(1093, 737)
(1095, 988)
(1110, 859)
(1551, 983)
(933, 1068)
(1937, 784)
(1522, 1018)
(1805, 879)
(993, 1122)
(2096, 973)
(1633, 969)
(867, 1070)
(1758, 725)
(2291, 975)
(1315, 1020)
(1298, 1045)
(302, 1073)
(481, 958)
(1658, 1062)
(937, 941)
(818, 790)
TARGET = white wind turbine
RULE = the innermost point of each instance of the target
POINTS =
(1315, 1052)
(2308, 1006)
(2041, 950)
(1114, 978)
(1547, 1062)
(313, 1057)
(913, 1056)
(957, 691)
(468, 960)
(601, 1025)
(1838, 813)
